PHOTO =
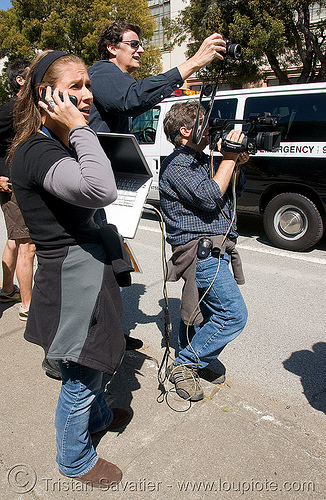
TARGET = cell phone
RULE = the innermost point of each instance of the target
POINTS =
(72, 98)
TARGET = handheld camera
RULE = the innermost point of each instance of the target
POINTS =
(259, 137)
(233, 50)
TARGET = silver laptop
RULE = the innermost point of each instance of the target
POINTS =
(133, 178)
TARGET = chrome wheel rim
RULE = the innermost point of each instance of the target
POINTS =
(290, 222)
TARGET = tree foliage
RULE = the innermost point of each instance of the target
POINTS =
(275, 35)
(72, 25)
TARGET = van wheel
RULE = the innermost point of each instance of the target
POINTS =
(293, 222)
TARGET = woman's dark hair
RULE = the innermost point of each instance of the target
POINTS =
(17, 68)
(27, 115)
(181, 114)
(112, 35)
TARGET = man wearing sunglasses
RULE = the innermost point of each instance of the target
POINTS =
(117, 96)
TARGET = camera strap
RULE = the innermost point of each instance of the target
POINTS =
(205, 91)
(197, 134)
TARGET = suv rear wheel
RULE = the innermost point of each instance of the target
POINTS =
(293, 222)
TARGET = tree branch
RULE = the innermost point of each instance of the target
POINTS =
(281, 75)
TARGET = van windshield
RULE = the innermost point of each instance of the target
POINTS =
(144, 126)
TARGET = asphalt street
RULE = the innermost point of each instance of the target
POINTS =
(261, 435)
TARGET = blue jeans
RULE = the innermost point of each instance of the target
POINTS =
(224, 311)
(81, 410)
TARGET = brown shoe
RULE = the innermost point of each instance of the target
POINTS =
(102, 475)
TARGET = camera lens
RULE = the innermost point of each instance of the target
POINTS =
(233, 50)
(260, 141)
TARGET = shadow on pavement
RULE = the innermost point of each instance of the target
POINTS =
(119, 389)
(4, 306)
(310, 366)
(133, 315)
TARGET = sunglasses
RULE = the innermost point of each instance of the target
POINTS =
(134, 44)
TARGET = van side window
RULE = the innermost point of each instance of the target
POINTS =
(301, 117)
(144, 126)
(223, 108)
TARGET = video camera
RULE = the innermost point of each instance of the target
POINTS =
(259, 137)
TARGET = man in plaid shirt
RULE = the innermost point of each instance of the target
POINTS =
(197, 204)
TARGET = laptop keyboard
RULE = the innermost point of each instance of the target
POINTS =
(127, 191)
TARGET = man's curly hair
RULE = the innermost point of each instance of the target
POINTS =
(181, 114)
(113, 34)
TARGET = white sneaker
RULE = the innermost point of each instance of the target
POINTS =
(23, 314)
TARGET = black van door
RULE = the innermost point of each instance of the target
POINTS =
(289, 187)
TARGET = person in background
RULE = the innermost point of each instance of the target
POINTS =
(61, 176)
(19, 251)
(198, 211)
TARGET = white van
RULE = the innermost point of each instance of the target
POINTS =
(287, 187)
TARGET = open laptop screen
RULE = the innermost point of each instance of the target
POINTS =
(124, 153)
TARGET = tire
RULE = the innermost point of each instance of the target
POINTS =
(293, 222)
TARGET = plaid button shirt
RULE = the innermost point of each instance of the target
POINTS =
(192, 204)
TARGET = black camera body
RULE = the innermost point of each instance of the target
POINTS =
(263, 141)
(233, 50)
(259, 137)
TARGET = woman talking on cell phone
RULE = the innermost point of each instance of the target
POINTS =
(61, 176)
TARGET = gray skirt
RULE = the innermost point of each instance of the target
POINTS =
(76, 308)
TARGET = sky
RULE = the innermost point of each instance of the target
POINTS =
(5, 4)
